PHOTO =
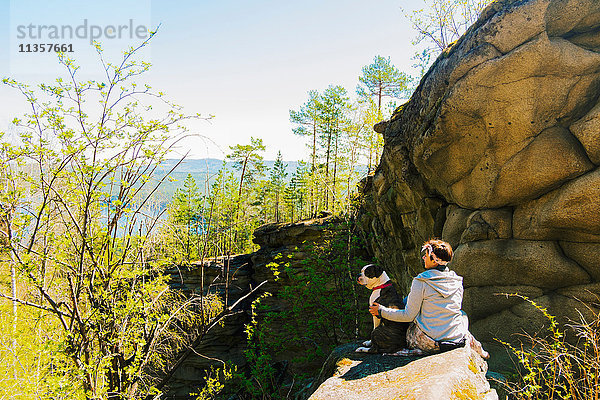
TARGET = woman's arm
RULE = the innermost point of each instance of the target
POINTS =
(413, 306)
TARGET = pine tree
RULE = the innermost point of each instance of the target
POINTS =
(335, 108)
(381, 79)
(277, 183)
(307, 120)
(295, 192)
(186, 212)
(248, 160)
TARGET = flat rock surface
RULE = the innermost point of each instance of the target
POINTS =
(458, 374)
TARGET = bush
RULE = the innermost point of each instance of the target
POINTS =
(321, 299)
(319, 306)
(553, 368)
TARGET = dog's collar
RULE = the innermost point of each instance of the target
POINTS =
(382, 286)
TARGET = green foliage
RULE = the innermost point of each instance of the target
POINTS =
(439, 24)
(219, 382)
(295, 194)
(79, 230)
(327, 117)
(550, 367)
(248, 160)
(33, 364)
(277, 185)
(263, 381)
(381, 79)
(320, 300)
(186, 223)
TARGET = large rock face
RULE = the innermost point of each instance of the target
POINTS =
(498, 152)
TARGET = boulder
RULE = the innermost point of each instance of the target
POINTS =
(516, 262)
(526, 318)
(457, 374)
(585, 254)
(586, 130)
(281, 234)
(498, 110)
(482, 301)
(455, 224)
(571, 212)
(553, 157)
(498, 152)
(586, 294)
(488, 224)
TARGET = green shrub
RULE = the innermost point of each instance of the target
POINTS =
(320, 300)
(553, 368)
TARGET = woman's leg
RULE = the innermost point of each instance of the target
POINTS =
(471, 341)
(476, 345)
(417, 339)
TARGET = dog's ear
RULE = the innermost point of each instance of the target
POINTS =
(373, 271)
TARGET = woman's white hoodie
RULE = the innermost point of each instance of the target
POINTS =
(434, 303)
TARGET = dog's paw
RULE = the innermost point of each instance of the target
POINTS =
(366, 343)
(407, 353)
(363, 350)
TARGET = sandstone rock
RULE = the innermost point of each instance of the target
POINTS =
(482, 301)
(516, 262)
(587, 294)
(462, 225)
(513, 25)
(458, 374)
(511, 325)
(570, 213)
(480, 125)
(585, 254)
(552, 158)
(280, 234)
(572, 16)
(587, 130)
(488, 224)
(504, 131)
(455, 225)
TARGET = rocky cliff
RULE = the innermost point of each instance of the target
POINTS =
(230, 279)
(498, 152)
(286, 253)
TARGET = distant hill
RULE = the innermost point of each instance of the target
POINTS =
(200, 169)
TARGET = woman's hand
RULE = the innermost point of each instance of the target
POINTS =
(374, 309)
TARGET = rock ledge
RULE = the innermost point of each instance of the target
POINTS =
(457, 374)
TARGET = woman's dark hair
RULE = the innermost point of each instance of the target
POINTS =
(441, 249)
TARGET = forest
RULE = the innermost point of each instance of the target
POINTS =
(87, 310)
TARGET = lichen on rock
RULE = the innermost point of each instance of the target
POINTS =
(457, 374)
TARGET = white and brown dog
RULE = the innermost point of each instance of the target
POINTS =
(387, 336)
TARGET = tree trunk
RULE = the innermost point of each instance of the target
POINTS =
(335, 157)
(239, 199)
(327, 171)
(13, 284)
(313, 167)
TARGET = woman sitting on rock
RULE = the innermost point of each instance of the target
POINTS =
(434, 306)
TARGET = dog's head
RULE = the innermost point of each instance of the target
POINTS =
(369, 275)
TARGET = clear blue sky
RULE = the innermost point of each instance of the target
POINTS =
(246, 62)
